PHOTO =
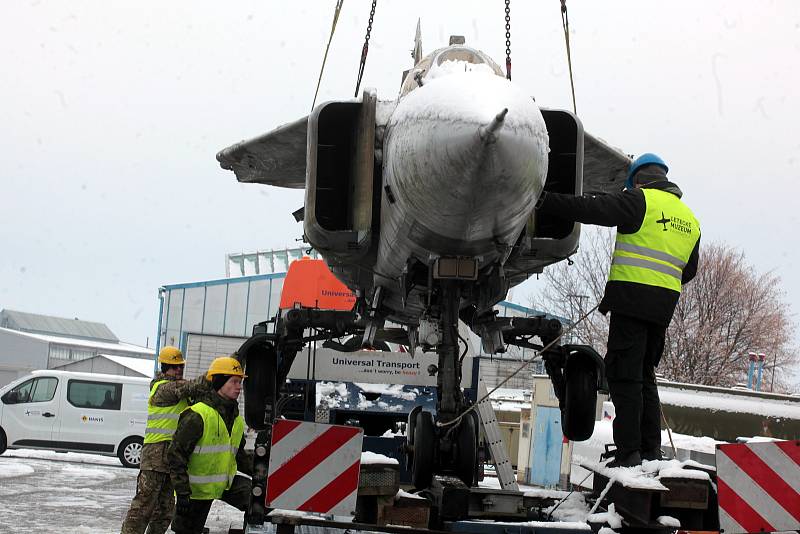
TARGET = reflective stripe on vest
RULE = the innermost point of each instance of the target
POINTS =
(657, 253)
(162, 420)
(212, 464)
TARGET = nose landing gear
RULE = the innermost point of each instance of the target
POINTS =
(443, 450)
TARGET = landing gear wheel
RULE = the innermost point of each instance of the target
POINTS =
(259, 360)
(466, 463)
(425, 445)
(410, 426)
(130, 452)
(580, 398)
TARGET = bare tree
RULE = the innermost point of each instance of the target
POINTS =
(727, 311)
(574, 287)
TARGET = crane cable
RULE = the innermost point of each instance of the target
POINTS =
(565, 25)
(336, 12)
(508, 40)
(365, 49)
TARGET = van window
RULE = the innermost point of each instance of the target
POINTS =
(20, 393)
(44, 389)
(33, 390)
(95, 395)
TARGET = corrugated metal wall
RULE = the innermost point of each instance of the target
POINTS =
(228, 307)
(201, 349)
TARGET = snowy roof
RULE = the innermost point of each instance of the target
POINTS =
(143, 366)
(48, 324)
(729, 402)
(88, 343)
(688, 395)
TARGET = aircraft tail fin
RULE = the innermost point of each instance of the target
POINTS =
(417, 52)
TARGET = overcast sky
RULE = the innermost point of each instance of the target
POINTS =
(112, 113)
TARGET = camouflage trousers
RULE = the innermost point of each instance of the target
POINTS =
(152, 506)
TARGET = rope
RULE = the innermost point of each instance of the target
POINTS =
(336, 12)
(669, 432)
(559, 503)
(565, 25)
(521, 367)
(603, 493)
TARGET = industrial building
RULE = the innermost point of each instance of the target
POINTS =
(31, 341)
(114, 365)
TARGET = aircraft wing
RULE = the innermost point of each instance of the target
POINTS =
(276, 158)
(605, 168)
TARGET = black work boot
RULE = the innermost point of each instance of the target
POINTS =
(652, 454)
(625, 459)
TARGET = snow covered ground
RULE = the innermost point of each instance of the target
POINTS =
(43, 492)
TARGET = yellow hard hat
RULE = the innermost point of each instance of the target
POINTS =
(171, 355)
(225, 365)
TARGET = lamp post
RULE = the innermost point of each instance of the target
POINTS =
(774, 366)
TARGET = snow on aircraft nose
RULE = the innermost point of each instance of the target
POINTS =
(466, 157)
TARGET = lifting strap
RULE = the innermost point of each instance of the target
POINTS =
(565, 25)
(336, 12)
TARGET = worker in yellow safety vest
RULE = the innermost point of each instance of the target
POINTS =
(656, 252)
(208, 449)
(152, 507)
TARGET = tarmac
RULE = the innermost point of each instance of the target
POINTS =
(48, 492)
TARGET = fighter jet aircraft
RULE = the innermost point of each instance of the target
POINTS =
(423, 206)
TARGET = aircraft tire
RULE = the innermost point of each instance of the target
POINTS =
(425, 445)
(410, 426)
(581, 399)
(466, 463)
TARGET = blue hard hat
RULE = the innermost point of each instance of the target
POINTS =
(645, 159)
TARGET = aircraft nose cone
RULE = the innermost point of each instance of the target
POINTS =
(466, 157)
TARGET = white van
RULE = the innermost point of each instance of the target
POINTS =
(75, 412)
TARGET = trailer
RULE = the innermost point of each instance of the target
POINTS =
(312, 397)
(659, 497)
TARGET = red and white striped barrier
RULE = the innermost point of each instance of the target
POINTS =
(758, 486)
(314, 467)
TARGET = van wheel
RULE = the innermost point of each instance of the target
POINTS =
(130, 452)
(3, 441)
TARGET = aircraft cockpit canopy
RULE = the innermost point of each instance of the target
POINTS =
(415, 77)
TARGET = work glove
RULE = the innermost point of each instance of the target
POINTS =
(183, 505)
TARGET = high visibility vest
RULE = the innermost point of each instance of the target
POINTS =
(657, 253)
(162, 421)
(212, 464)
